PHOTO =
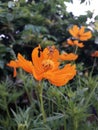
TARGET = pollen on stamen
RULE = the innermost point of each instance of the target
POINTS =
(47, 64)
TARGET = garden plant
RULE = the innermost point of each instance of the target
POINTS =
(48, 67)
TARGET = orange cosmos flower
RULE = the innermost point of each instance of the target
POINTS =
(94, 54)
(79, 33)
(70, 56)
(45, 65)
(75, 43)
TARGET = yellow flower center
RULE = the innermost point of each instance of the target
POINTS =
(47, 64)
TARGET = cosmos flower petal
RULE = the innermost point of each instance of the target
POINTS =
(37, 57)
(94, 54)
(51, 52)
(25, 64)
(81, 31)
(74, 31)
(70, 42)
(75, 43)
(14, 65)
(68, 57)
(61, 76)
(22, 63)
(86, 36)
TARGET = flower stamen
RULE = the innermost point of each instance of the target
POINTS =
(47, 65)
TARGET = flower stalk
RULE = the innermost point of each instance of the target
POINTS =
(91, 94)
(93, 67)
(41, 102)
(75, 124)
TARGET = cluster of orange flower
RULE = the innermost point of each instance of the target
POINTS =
(78, 34)
(46, 64)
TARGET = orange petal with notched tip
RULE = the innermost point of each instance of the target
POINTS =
(75, 43)
(68, 57)
(25, 64)
(74, 30)
(37, 57)
(79, 44)
(61, 76)
(21, 62)
(13, 64)
(94, 54)
(81, 30)
(86, 36)
(70, 42)
(51, 52)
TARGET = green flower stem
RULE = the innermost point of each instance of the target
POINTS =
(76, 49)
(93, 67)
(41, 102)
(91, 94)
(75, 124)
(7, 110)
(21, 127)
(29, 95)
(64, 123)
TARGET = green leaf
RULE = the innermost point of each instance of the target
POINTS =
(36, 29)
